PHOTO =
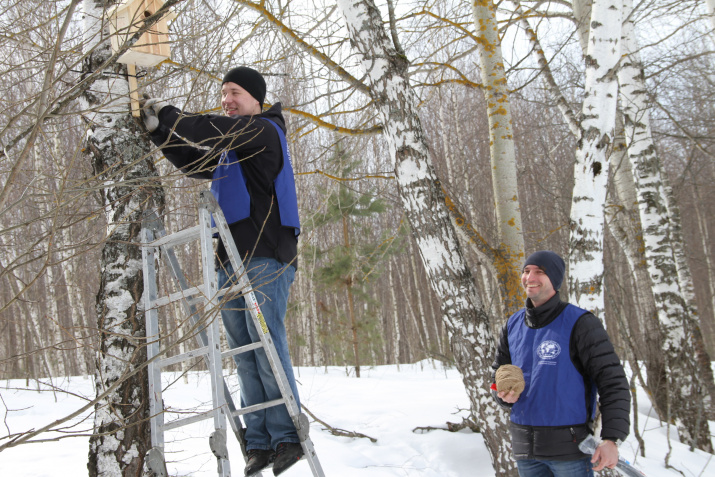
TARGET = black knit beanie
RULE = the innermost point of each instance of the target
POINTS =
(551, 264)
(248, 79)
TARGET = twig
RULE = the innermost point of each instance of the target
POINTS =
(337, 432)
(451, 427)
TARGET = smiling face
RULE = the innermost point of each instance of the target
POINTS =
(537, 285)
(236, 101)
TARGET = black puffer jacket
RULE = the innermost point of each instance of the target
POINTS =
(593, 355)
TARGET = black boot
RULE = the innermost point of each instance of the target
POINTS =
(287, 454)
(258, 459)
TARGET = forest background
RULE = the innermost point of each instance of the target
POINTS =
(435, 143)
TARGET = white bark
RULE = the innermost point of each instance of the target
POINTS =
(582, 15)
(591, 166)
(395, 317)
(425, 208)
(680, 329)
(625, 226)
(120, 156)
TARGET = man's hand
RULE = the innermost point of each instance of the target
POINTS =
(510, 397)
(150, 108)
(151, 121)
(606, 455)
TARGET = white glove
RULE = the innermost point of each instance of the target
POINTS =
(150, 108)
(151, 122)
(155, 103)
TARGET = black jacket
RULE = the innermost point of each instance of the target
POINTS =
(259, 150)
(593, 355)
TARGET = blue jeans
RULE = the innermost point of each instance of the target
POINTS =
(271, 281)
(555, 468)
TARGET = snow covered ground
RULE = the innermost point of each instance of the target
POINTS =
(386, 404)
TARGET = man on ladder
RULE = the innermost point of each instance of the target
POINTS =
(248, 161)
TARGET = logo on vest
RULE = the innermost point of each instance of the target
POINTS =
(548, 350)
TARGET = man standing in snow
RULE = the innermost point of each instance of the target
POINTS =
(567, 361)
(246, 157)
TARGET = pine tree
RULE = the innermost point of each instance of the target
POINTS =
(348, 263)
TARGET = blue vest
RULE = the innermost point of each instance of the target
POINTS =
(555, 392)
(229, 188)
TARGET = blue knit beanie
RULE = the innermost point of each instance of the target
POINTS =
(551, 264)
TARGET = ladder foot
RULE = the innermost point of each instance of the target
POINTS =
(154, 462)
(217, 442)
(302, 426)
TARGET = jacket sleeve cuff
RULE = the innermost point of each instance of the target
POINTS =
(502, 404)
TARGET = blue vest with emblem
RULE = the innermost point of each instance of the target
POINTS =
(229, 187)
(555, 392)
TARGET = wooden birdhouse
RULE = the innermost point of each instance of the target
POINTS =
(153, 46)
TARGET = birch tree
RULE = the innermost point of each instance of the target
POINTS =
(423, 201)
(119, 155)
(686, 378)
(625, 226)
(591, 165)
(502, 154)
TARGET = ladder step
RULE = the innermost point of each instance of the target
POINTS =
(183, 357)
(189, 420)
(203, 351)
(179, 238)
(240, 349)
(257, 407)
(192, 295)
(208, 414)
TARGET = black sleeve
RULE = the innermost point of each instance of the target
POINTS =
(197, 163)
(594, 355)
(245, 135)
(502, 356)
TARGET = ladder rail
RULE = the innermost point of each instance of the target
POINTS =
(172, 262)
(301, 423)
(152, 333)
(207, 335)
(209, 201)
(213, 333)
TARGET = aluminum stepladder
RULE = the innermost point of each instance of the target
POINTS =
(207, 334)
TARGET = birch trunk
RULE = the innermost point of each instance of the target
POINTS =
(119, 155)
(395, 315)
(409, 305)
(591, 166)
(437, 345)
(625, 226)
(545, 70)
(425, 208)
(502, 154)
(681, 331)
(582, 15)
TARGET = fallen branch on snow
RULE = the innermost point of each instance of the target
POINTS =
(337, 432)
(451, 427)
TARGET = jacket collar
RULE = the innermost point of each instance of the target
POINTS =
(540, 316)
(275, 114)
